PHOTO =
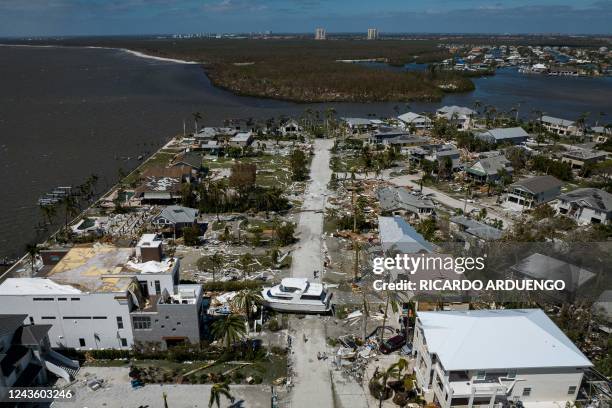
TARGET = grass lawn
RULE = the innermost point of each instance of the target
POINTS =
(272, 170)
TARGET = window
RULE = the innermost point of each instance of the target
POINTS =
(76, 317)
(119, 322)
(526, 392)
(481, 375)
(99, 317)
(75, 299)
(42, 299)
(571, 390)
(82, 342)
(62, 299)
(48, 317)
(141, 322)
(123, 342)
(157, 287)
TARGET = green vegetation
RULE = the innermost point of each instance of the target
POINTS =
(299, 165)
(560, 170)
(303, 70)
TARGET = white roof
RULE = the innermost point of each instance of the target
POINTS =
(299, 283)
(498, 339)
(35, 286)
(242, 137)
(149, 241)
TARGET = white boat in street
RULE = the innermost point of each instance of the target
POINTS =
(297, 295)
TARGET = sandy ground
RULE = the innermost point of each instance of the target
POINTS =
(118, 393)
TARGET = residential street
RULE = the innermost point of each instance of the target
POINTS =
(312, 385)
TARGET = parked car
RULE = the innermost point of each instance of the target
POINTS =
(392, 344)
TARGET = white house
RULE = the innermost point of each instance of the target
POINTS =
(411, 119)
(586, 206)
(291, 127)
(458, 115)
(561, 127)
(480, 358)
(88, 294)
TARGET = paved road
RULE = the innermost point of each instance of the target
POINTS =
(312, 387)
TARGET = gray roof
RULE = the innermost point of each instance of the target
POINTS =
(539, 184)
(177, 214)
(191, 159)
(396, 235)
(539, 266)
(603, 304)
(584, 154)
(394, 198)
(557, 121)
(589, 197)
(407, 139)
(409, 117)
(33, 335)
(357, 121)
(478, 229)
(389, 132)
(9, 323)
(500, 134)
(490, 165)
(242, 137)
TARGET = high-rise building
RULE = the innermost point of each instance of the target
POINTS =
(320, 34)
(372, 34)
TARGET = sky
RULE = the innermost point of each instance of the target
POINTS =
(113, 17)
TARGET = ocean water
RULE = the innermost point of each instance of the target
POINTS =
(66, 113)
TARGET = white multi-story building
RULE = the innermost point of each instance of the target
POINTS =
(561, 127)
(88, 294)
(320, 34)
(480, 358)
(372, 34)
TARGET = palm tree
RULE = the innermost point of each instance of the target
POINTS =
(247, 299)
(48, 212)
(196, 116)
(357, 247)
(218, 390)
(390, 301)
(229, 330)
(71, 209)
(216, 260)
(245, 262)
(32, 250)
(394, 370)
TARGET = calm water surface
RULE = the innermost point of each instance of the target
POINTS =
(67, 113)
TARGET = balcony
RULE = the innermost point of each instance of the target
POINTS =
(467, 388)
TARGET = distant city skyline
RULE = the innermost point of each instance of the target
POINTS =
(116, 17)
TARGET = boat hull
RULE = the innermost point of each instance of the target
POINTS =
(297, 308)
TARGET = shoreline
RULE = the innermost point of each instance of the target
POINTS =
(20, 260)
(126, 50)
